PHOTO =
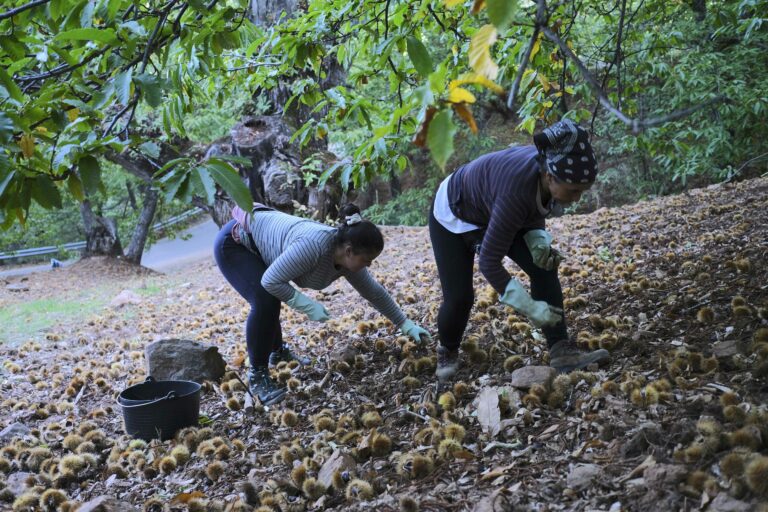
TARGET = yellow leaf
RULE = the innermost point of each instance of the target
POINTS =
(27, 144)
(543, 81)
(459, 95)
(41, 129)
(186, 497)
(73, 113)
(474, 78)
(452, 3)
(463, 111)
(480, 52)
(536, 46)
(478, 6)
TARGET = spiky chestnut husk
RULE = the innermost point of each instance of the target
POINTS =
(705, 315)
(27, 501)
(359, 490)
(410, 382)
(371, 419)
(729, 398)
(408, 504)
(756, 475)
(51, 499)
(180, 453)
(381, 445)
(748, 436)
(734, 414)
(460, 389)
(447, 447)
(732, 465)
(289, 418)
(454, 431)
(447, 401)
(299, 474)
(312, 489)
(167, 464)
(324, 423)
(215, 470)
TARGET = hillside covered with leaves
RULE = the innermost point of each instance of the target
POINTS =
(674, 288)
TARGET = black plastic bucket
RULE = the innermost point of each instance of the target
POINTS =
(157, 409)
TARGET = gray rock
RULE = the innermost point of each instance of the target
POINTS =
(175, 359)
(527, 376)
(660, 475)
(338, 461)
(581, 476)
(725, 503)
(106, 504)
(12, 431)
(727, 348)
(17, 287)
(18, 483)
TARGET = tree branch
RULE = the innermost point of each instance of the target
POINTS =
(636, 125)
(524, 64)
(14, 12)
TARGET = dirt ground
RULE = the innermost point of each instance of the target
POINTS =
(675, 288)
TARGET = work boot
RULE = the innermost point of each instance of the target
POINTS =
(262, 386)
(286, 354)
(447, 363)
(565, 357)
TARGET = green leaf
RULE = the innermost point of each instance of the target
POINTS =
(419, 56)
(6, 128)
(174, 182)
(236, 159)
(13, 90)
(106, 35)
(123, 86)
(501, 12)
(90, 174)
(228, 179)
(4, 182)
(203, 178)
(440, 137)
(45, 192)
(75, 187)
(150, 148)
(151, 89)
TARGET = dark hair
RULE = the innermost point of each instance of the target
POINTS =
(363, 236)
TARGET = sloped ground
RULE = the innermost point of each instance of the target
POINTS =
(675, 288)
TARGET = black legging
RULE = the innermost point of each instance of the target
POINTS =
(455, 259)
(244, 269)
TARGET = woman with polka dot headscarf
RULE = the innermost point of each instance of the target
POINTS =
(495, 206)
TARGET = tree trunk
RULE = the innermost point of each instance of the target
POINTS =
(141, 231)
(101, 237)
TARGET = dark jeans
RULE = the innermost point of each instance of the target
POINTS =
(243, 269)
(455, 258)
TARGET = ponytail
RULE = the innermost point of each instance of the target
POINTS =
(362, 235)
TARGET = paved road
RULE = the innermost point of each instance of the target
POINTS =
(163, 256)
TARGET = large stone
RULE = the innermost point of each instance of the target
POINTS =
(12, 431)
(174, 359)
(20, 482)
(17, 287)
(106, 504)
(725, 503)
(338, 461)
(660, 475)
(581, 476)
(527, 376)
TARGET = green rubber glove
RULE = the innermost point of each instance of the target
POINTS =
(314, 310)
(414, 331)
(539, 242)
(538, 312)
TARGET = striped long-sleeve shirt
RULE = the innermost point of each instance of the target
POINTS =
(302, 250)
(500, 192)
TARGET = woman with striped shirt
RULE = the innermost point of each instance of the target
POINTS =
(261, 252)
(495, 206)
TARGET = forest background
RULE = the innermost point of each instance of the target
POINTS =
(113, 113)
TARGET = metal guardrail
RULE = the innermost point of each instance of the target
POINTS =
(79, 246)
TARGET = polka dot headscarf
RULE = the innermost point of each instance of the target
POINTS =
(567, 152)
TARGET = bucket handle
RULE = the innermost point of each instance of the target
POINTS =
(170, 396)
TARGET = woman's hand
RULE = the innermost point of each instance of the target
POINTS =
(539, 243)
(414, 331)
(313, 309)
(538, 312)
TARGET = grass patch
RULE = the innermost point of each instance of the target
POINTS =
(26, 320)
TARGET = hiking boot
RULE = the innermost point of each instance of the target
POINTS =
(286, 354)
(565, 357)
(447, 363)
(262, 386)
